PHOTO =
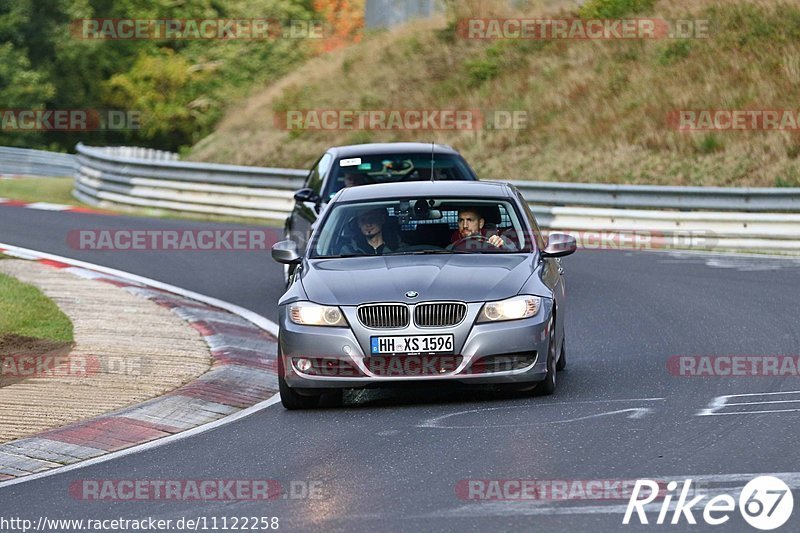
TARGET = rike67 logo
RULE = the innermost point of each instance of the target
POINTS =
(765, 503)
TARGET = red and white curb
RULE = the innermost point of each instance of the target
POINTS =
(243, 377)
(47, 206)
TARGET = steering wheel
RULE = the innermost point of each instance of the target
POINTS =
(464, 240)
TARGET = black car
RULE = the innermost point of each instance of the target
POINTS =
(365, 164)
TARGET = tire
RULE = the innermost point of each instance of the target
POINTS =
(562, 359)
(290, 398)
(548, 386)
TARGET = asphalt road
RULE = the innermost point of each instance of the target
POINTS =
(396, 460)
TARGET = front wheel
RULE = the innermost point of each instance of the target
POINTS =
(562, 359)
(548, 386)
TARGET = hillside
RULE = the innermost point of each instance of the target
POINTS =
(68, 55)
(597, 109)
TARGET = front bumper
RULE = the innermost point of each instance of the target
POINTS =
(511, 352)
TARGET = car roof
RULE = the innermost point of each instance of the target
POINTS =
(471, 189)
(389, 148)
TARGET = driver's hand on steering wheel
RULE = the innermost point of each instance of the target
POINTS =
(496, 241)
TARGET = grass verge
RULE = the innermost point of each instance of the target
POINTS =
(55, 190)
(25, 311)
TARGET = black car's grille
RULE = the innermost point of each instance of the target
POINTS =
(439, 314)
(383, 316)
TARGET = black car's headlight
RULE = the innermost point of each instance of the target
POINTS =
(310, 314)
(514, 308)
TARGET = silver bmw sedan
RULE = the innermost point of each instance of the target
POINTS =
(422, 282)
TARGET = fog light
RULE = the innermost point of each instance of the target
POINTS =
(303, 364)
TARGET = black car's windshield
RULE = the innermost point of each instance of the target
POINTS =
(421, 226)
(365, 170)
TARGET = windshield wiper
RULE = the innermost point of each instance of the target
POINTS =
(426, 252)
(340, 256)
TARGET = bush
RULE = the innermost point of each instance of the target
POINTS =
(791, 178)
(607, 9)
(481, 70)
(675, 51)
(710, 144)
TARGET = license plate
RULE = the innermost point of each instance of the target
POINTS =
(413, 344)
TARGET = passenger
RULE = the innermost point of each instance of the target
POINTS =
(371, 239)
(470, 224)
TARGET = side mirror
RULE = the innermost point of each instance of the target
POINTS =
(559, 245)
(286, 252)
(307, 195)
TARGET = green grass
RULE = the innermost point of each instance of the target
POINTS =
(25, 311)
(59, 191)
(55, 190)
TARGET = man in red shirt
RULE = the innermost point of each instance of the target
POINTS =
(470, 224)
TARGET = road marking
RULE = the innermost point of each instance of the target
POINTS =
(255, 318)
(721, 402)
(636, 413)
(47, 206)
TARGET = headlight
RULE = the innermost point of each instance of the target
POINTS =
(511, 309)
(308, 314)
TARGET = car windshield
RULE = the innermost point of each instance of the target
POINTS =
(421, 226)
(365, 170)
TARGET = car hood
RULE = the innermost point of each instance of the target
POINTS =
(463, 277)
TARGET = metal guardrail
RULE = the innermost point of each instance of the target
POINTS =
(25, 162)
(662, 197)
(104, 178)
(714, 217)
(137, 152)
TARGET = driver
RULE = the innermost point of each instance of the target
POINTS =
(470, 224)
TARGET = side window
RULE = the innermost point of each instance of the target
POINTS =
(540, 244)
(467, 172)
(314, 179)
